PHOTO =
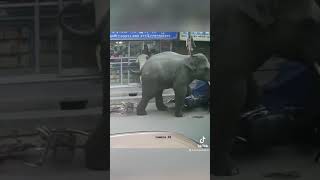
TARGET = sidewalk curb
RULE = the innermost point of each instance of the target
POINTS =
(19, 80)
(82, 118)
(136, 99)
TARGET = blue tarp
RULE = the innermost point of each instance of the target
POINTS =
(294, 86)
(199, 95)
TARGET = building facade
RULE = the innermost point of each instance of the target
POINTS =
(125, 47)
(32, 42)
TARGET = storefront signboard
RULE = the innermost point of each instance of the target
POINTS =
(197, 36)
(117, 36)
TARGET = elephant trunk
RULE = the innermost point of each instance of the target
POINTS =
(135, 72)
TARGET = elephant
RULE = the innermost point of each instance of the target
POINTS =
(96, 150)
(171, 70)
(141, 59)
(247, 33)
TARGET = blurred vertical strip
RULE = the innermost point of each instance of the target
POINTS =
(212, 56)
(160, 15)
(98, 144)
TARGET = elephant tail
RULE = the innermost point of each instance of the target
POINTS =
(135, 72)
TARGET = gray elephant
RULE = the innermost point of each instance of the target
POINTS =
(97, 145)
(171, 70)
(246, 34)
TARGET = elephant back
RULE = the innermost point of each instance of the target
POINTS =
(163, 64)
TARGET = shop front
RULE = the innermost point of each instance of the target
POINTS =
(125, 47)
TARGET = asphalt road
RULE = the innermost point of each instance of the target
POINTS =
(159, 164)
(194, 124)
(298, 161)
(52, 170)
(130, 164)
(295, 160)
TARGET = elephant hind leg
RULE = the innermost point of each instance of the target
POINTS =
(141, 108)
(148, 92)
(159, 102)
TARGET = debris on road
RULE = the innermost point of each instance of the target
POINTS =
(124, 107)
(285, 174)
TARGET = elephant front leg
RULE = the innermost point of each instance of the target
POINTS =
(189, 91)
(159, 102)
(180, 94)
(228, 100)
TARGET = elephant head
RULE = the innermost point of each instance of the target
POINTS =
(303, 18)
(267, 12)
(311, 48)
(96, 8)
(311, 37)
(199, 66)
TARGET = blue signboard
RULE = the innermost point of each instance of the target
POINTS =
(143, 35)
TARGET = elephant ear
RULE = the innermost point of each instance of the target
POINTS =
(316, 10)
(261, 11)
(318, 2)
(192, 62)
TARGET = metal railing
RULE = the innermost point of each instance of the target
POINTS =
(120, 71)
